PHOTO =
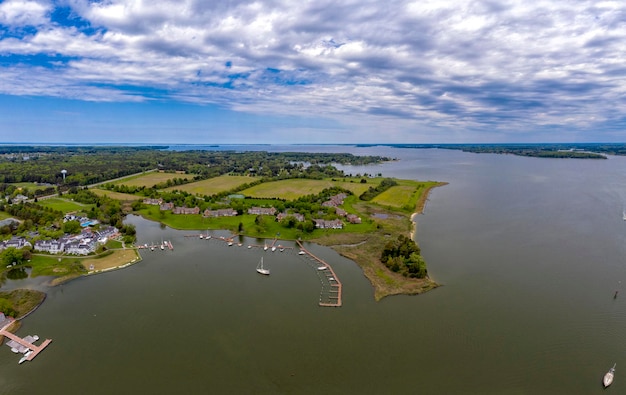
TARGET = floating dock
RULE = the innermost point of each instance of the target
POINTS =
(24, 345)
(333, 297)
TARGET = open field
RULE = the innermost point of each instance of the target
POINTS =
(150, 179)
(396, 196)
(213, 185)
(294, 188)
(30, 185)
(116, 195)
(65, 205)
(113, 260)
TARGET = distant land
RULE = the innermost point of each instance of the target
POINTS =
(539, 150)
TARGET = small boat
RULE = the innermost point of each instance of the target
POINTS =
(261, 269)
(273, 248)
(608, 377)
(301, 252)
(321, 268)
(25, 357)
(201, 236)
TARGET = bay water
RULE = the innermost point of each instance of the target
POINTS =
(529, 252)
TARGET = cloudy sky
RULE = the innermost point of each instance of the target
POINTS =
(340, 71)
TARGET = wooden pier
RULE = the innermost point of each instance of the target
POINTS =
(35, 350)
(334, 293)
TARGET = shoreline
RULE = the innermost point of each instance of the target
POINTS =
(384, 282)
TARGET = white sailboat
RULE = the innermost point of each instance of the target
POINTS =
(608, 377)
(624, 215)
(261, 269)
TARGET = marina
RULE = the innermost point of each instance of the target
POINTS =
(331, 298)
(331, 287)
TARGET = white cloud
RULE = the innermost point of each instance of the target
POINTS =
(20, 13)
(496, 64)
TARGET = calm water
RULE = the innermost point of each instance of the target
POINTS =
(530, 252)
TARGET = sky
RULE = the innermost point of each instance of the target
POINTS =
(309, 72)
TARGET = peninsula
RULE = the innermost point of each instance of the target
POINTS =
(300, 196)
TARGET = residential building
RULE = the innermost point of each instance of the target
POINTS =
(328, 224)
(299, 217)
(262, 211)
(224, 212)
(186, 210)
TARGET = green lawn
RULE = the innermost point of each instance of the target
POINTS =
(116, 195)
(405, 195)
(268, 229)
(29, 185)
(397, 196)
(150, 178)
(294, 188)
(65, 205)
(50, 265)
(213, 185)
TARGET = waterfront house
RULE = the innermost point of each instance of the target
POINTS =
(353, 219)
(16, 242)
(186, 210)
(50, 246)
(340, 212)
(299, 217)
(328, 224)
(262, 211)
(224, 212)
(166, 206)
(81, 247)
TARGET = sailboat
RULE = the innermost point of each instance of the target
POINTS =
(608, 377)
(624, 215)
(260, 269)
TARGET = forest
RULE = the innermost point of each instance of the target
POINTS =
(90, 165)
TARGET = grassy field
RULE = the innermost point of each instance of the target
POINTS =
(116, 195)
(150, 178)
(213, 185)
(114, 259)
(295, 188)
(65, 205)
(404, 196)
(29, 185)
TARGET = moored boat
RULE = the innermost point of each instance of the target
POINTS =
(608, 377)
(260, 269)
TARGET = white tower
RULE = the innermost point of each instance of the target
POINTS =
(64, 172)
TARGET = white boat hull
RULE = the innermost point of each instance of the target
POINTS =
(608, 377)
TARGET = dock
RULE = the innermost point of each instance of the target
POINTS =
(333, 296)
(26, 343)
